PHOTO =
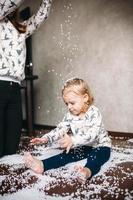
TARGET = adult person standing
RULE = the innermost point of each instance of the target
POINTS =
(12, 66)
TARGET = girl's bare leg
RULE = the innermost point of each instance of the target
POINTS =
(33, 163)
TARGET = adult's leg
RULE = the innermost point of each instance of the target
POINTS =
(4, 92)
(13, 120)
(1, 130)
(2, 118)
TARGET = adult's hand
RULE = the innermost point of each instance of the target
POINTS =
(8, 6)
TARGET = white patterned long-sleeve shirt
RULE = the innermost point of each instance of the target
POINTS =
(12, 44)
(88, 130)
(8, 6)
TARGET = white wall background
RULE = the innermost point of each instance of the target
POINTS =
(93, 40)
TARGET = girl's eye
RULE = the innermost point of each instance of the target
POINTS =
(72, 103)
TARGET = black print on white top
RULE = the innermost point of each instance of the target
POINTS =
(88, 131)
(8, 6)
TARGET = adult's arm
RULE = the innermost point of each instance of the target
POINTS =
(34, 22)
(8, 6)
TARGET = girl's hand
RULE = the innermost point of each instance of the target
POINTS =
(66, 142)
(39, 141)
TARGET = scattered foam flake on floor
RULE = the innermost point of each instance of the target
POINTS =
(130, 141)
(114, 181)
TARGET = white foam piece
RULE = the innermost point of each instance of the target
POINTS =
(130, 140)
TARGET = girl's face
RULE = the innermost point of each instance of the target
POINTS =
(76, 103)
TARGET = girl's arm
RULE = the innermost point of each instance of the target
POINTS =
(58, 132)
(53, 135)
(8, 6)
(89, 131)
(36, 20)
(39, 141)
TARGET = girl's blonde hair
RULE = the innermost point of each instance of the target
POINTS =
(79, 86)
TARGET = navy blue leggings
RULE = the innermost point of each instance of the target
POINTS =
(96, 157)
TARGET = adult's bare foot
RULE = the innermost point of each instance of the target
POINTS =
(33, 163)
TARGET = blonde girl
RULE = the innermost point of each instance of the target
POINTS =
(88, 139)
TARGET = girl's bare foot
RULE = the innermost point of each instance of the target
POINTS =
(33, 163)
(83, 173)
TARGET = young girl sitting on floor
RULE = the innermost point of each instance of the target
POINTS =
(88, 139)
